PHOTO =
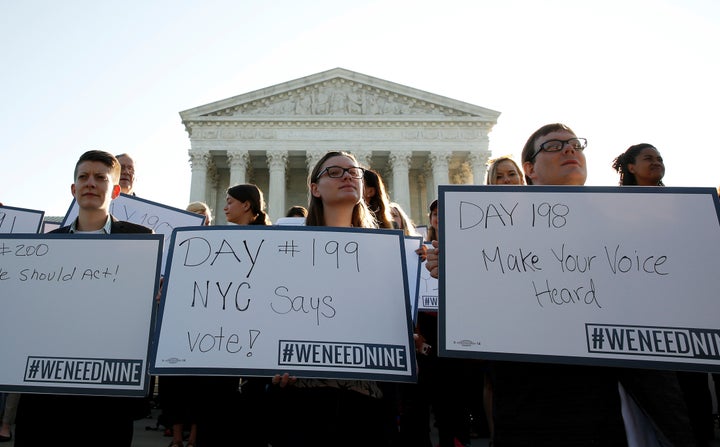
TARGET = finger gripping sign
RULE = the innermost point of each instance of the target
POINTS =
(310, 301)
(76, 311)
(623, 276)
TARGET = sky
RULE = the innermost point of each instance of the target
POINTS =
(114, 75)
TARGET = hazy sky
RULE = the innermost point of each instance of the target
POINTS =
(113, 75)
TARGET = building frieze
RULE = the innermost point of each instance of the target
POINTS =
(432, 133)
(338, 97)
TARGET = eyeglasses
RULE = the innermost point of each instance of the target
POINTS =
(337, 172)
(577, 144)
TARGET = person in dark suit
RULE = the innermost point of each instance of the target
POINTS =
(46, 419)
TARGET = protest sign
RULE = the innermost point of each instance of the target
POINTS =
(162, 219)
(76, 312)
(20, 220)
(412, 243)
(310, 301)
(427, 297)
(623, 276)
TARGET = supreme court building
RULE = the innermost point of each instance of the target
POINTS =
(274, 136)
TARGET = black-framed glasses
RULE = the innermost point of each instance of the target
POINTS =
(577, 144)
(337, 172)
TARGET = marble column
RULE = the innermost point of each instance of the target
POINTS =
(478, 163)
(430, 185)
(364, 158)
(400, 163)
(212, 184)
(277, 162)
(311, 159)
(198, 183)
(439, 161)
(238, 162)
(420, 217)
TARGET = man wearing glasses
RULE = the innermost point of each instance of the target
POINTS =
(570, 405)
(127, 173)
(544, 404)
(555, 158)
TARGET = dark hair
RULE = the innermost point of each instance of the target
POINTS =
(103, 157)
(361, 216)
(432, 234)
(621, 162)
(492, 168)
(378, 203)
(528, 152)
(248, 192)
(296, 211)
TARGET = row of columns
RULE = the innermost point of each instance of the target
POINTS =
(277, 162)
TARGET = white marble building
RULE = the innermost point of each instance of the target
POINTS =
(272, 137)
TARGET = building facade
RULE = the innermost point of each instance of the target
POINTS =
(274, 136)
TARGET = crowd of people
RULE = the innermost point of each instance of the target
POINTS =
(512, 403)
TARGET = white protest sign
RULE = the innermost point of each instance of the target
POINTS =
(412, 243)
(20, 220)
(427, 297)
(261, 300)
(623, 276)
(162, 219)
(76, 312)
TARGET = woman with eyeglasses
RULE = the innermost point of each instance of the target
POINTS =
(330, 412)
(640, 165)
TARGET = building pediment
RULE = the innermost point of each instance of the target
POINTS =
(338, 94)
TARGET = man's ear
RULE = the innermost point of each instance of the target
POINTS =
(72, 189)
(529, 169)
(314, 190)
(116, 191)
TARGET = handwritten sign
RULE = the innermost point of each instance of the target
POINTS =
(427, 297)
(20, 220)
(311, 301)
(76, 312)
(412, 243)
(162, 219)
(614, 276)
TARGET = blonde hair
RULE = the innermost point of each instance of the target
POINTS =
(492, 165)
(200, 208)
(408, 226)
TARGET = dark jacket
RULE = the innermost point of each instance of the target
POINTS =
(43, 419)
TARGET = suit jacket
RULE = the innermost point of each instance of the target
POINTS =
(82, 420)
(116, 227)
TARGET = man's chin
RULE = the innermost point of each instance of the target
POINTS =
(90, 202)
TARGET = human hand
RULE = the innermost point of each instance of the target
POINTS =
(422, 251)
(432, 260)
(160, 288)
(284, 380)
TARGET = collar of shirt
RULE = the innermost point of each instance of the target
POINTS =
(105, 229)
